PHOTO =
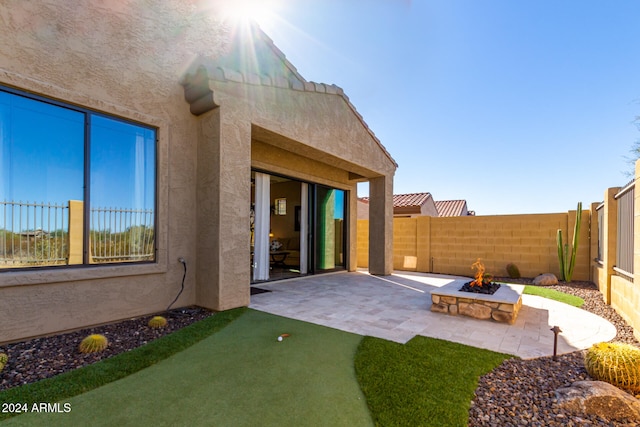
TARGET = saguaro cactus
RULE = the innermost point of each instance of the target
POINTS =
(567, 258)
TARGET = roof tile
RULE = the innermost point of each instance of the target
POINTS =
(406, 200)
(451, 207)
(296, 82)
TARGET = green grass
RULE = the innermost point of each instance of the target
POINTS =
(239, 376)
(554, 295)
(426, 382)
(81, 380)
(230, 370)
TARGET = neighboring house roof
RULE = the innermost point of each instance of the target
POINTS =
(409, 200)
(418, 204)
(452, 207)
(405, 200)
(411, 204)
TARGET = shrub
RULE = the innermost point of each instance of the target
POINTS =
(3, 360)
(157, 322)
(615, 363)
(93, 343)
(513, 271)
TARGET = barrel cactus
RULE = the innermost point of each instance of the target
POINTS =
(157, 322)
(513, 271)
(93, 343)
(615, 363)
(3, 360)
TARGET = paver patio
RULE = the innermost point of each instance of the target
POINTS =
(397, 308)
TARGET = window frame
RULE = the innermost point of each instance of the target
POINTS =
(88, 114)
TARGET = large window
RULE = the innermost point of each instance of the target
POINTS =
(76, 187)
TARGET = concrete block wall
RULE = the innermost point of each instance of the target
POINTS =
(620, 291)
(450, 245)
(405, 239)
(632, 310)
(625, 299)
(362, 242)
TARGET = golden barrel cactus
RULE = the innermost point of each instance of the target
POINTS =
(93, 343)
(3, 360)
(615, 363)
(157, 322)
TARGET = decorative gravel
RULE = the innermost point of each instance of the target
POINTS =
(516, 393)
(39, 358)
(522, 392)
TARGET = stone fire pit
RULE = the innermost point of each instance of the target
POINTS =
(502, 306)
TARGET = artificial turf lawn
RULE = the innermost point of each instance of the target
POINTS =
(425, 382)
(93, 376)
(239, 376)
(554, 295)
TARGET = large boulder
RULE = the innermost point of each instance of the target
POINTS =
(599, 398)
(547, 279)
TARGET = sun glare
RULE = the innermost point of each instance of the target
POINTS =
(239, 11)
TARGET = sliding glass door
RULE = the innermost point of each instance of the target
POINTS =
(297, 228)
(329, 228)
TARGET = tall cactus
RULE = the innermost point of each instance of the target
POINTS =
(568, 259)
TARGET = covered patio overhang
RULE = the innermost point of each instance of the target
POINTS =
(307, 131)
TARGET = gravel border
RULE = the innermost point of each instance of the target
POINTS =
(516, 393)
(522, 392)
(40, 358)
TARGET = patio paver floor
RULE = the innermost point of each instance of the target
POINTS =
(397, 308)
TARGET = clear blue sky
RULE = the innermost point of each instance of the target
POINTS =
(519, 106)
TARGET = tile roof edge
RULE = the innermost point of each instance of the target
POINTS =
(303, 85)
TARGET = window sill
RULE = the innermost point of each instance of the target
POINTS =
(42, 276)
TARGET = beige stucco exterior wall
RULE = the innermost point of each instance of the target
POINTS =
(381, 225)
(129, 60)
(66, 52)
(293, 133)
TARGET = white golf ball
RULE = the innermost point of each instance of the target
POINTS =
(279, 338)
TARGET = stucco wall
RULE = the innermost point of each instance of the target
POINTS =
(310, 136)
(129, 59)
(117, 58)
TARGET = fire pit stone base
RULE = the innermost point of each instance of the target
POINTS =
(503, 306)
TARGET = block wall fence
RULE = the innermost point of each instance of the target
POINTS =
(449, 245)
(621, 291)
